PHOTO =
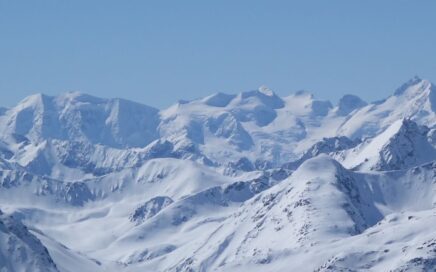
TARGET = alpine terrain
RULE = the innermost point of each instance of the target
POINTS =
(229, 182)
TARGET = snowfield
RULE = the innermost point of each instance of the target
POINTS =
(245, 182)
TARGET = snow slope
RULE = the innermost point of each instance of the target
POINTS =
(322, 218)
(77, 117)
(20, 250)
(229, 182)
(402, 145)
(415, 100)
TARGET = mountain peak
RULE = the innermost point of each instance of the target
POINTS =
(318, 166)
(75, 96)
(304, 93)
(413, 85)
(266, 91)
(34, 99)
(402, 145)
(72, 94)
(348, 103)
(264, 96)
(218, 99)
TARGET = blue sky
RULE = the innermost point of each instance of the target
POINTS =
(156, 52)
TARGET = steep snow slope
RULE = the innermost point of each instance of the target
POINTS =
(20, 250)
(64, 210)
(322, 217)
(295, 209)
(183, 221)
(402, 145)
(415, 100)
(325, 146)
(68, 260)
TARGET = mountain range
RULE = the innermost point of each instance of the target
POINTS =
(228, 182)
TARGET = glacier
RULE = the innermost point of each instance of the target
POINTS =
(228, 182)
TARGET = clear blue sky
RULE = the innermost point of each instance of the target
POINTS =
(156, 52)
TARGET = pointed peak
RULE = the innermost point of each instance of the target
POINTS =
(413, 82)
(397, 126)
(34, 97)
(402, 145)
(408, 125)
(33, 100)
(404, 126)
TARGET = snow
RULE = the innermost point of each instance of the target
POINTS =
(369, 153)
(403, 144)
(229, 182)
(20, 250)
(414, 100)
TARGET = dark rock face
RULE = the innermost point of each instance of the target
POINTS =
(150, 209)
(349, 103)
(22, 251)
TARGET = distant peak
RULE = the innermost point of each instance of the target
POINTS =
(349, 103)
(36, 96)
(72, 93)
(75, 96)
(265, 96)
(218, 99)
(416, 78)
(266, 91)
(33, 100)
(408, 125)
(403, 126)
(304, 93)
(410, 83)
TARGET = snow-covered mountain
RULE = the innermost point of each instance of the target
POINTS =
(20, 250)
(323, 218)
(229, 182)
(415, 100)
(402, 145)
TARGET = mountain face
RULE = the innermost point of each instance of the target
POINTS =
(325, 146)
(229, 182)
(415, 100)
(349, 103)
(20, 250)
(402, 145)
(79, 117)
